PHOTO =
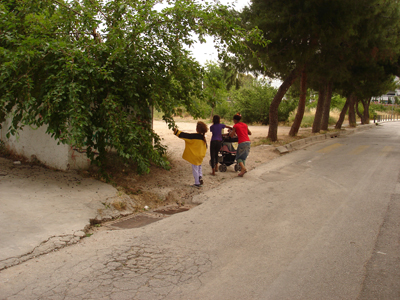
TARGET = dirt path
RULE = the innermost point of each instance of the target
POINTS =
(174, 186)
(162, 187)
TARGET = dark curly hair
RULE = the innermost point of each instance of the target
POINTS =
(202, 128)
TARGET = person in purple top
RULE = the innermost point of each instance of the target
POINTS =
(216, 141)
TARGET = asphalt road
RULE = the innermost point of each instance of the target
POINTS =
(317, 223)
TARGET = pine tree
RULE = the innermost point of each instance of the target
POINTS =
(318, 36)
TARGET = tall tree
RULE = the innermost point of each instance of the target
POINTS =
(327, 107)
(352, 111)
(302, 105)
(320, 107)
(214, 85)
(311, 33)
(299, 32)
(343, 113)
(373, 58)
(92, 70)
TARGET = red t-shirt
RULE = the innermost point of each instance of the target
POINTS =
(242, 132)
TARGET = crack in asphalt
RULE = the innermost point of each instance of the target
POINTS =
(53, 243)
(137, 272)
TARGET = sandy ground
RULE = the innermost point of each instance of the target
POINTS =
(175, 185)
(166, 187)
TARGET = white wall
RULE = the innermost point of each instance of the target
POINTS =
(36, 142)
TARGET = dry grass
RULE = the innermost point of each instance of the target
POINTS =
(119, 205)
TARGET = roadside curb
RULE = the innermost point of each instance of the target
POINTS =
(329, 135)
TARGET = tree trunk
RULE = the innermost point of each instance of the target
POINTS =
(273, 108)
(302, 105)
(358, 111)
(327, 107)
(339, 123)
(366, 103)
(352, 113)
(318, 114)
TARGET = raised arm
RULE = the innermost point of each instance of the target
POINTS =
(232, 133)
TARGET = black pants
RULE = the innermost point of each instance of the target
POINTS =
(214, 149)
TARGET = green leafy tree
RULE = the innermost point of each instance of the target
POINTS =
(337, 101)
(372, 59)
(301, 106)
(91, 71)
(214, 85)
(316, 37)
(297, 31)
(253, 102)
(233, 78)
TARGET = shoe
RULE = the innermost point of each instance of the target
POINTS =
(242, 173)
(201, 180)
(196, 185)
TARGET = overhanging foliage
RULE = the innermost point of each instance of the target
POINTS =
(92, 70)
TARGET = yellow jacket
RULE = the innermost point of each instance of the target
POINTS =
(195, 147)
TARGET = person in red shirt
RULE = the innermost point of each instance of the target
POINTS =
(242, 131)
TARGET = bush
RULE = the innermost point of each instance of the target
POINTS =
(225, 110)
(286, 108)
(379, 107)
(253, 101)
(307, 121)
(203, 110)
(337, 101)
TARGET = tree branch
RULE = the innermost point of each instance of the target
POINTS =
(67, 7)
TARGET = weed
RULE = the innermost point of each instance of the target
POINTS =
(168, 155)
(136, 192)
(119, 205)
(106, 205)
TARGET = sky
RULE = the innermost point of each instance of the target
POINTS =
(206, 51)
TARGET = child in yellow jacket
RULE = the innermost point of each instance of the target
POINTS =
(195, 150)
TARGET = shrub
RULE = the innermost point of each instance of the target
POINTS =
(225, 110)
(253, 101)
(307, 121)
(337, 101)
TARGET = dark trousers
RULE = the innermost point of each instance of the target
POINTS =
(214, 149)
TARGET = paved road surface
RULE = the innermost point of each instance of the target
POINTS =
(318, 223)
